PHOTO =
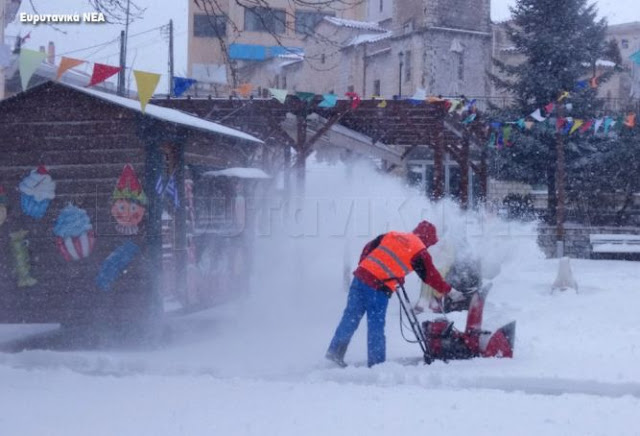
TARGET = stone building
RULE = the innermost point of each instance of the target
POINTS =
(624, 87)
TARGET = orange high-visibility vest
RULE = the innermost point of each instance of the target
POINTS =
(392, 258)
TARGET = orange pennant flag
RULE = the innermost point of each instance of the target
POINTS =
(594, 82)
(244, 89)
(66, 64)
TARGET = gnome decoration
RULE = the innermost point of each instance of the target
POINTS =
(3, 206)
(36, 192)
(129, 202)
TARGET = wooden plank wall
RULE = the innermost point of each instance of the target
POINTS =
(84, 144)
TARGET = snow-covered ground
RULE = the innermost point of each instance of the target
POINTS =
(256, 367)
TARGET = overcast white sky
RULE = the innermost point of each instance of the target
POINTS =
(149, 51)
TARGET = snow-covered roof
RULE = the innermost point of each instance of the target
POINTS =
(171, 115)
(354, 24)
(242, 173)
(361, 39)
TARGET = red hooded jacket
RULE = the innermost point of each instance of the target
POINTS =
(422, 262)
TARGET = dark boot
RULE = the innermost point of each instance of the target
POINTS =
(337, 356)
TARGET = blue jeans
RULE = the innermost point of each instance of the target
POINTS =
(362, 299)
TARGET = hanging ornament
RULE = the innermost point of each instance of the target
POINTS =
(36, 192)
(75, 236)
(129, 202)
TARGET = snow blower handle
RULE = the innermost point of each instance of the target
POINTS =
(405, 305)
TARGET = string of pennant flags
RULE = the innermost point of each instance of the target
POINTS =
(501, 133)
(146, 82)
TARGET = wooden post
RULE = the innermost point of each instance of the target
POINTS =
(560, 189)
(153, 166)
(301, 148)
(484, 178)
(438, 168)
(180, 217)
(464, 173)
(287, 171)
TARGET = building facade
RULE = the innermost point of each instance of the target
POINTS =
(236, 37)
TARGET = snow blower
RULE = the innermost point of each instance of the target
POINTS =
(439, 339)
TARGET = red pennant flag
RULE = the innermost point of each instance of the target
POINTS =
(593, 82)
(630, 120)
(102, 72)
(586, 126)
(355, 99)
(549, 108)
(560, 123)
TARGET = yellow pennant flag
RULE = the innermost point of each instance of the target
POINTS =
(576, 125)
(382, 104)
(29, 62)
(564, 95)
(66, 64)
(146, 83)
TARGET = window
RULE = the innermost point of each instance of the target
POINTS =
(306, 21)
(209, 26)
(376, 87)
(350, 88)
(381, 5)
(264, 20)
(407, 66)
(323, 58)
(624, 43)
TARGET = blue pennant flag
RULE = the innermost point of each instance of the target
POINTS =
(160, 186)
(181, 85)
(328, 100)
(172, 191)
(581, 85)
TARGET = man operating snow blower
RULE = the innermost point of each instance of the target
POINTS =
(384, 263)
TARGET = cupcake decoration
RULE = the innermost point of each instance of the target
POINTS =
(3, 206)
(129, 202)
(19, 247)
(75, 236)
(37, 190)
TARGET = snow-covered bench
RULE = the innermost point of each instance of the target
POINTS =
(615, 244)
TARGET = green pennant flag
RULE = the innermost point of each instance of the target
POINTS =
(635, 57)
(29, 62)
(306, 97)
(279, 94)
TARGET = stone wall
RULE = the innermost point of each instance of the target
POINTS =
(459, 14)
(576, 238)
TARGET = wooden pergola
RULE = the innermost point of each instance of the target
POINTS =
(401, 125)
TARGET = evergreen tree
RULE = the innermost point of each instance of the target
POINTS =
(561, 42)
